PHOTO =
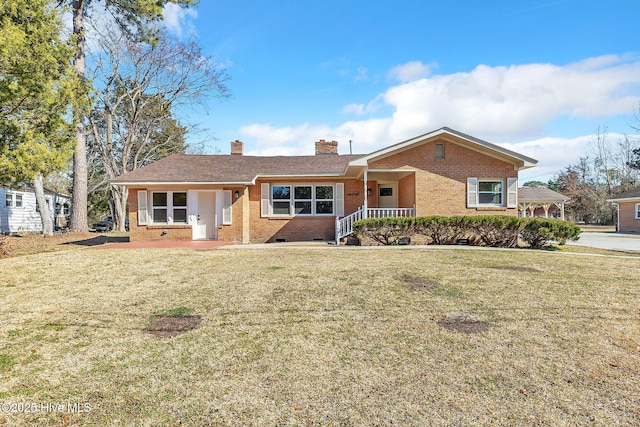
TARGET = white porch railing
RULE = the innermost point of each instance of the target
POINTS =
(344, 226)
(390, 212)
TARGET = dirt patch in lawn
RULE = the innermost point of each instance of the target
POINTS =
(172, 325)
(419, 283)
(463, 324)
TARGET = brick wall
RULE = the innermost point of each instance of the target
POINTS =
(441, 185)
(142, 233)
(299, 228)
(628, 221)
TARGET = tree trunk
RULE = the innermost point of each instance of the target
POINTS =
(41, 201)
(78, 220)
(119, 196)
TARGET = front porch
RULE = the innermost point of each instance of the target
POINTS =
(344, 226)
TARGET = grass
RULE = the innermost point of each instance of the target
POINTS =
(322, 336)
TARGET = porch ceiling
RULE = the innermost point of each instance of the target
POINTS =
(388, 175)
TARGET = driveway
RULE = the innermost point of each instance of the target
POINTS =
(626, 242)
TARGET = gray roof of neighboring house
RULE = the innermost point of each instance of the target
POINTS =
(540, 195)
(631, 194)
(231, 169)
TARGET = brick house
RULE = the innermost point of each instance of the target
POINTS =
(252, 199)
(628, 210)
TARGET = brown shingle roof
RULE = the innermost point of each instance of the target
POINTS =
(187, 168)
(631, 194)
(539, 195)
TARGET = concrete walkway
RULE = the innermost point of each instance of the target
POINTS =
(624, 242)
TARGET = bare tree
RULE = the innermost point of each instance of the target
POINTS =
(135, 18)
(141, 86)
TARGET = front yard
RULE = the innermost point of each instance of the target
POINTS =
(320, 336)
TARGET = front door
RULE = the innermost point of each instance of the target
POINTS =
(206, 227)
(388, 195)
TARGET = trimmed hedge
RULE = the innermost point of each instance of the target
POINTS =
(485, 230)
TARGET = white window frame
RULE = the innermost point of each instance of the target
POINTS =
(502, 192)
(292, 200)
(13, 196)
(170, 208)
(637, 210)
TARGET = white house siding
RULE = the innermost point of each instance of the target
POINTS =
(26, 218)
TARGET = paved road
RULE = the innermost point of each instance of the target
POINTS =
(628, 242)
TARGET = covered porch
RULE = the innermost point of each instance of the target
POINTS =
(387, 194)
(541, 202)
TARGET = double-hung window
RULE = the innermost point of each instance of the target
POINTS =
(637, 210)
(303, 200)
(324, 200)
(281, 197)
(169, 207)
(490, 192)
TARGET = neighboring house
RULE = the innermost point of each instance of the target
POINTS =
(628, 210)
(19, 213)
(292, 198)
(541, 202)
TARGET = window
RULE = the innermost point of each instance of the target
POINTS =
(13, 200)
(386, 191)
(180, 207)
(490, 192)
(281, 196)
(302, 200)
(66, 209)
(637, 210)
(439, 151)
(169, 207)
(324, 200)
(159, 210)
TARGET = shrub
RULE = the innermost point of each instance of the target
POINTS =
(441, 230)
(498, 231)
(488, 230)
(385, 231)
(538, 232)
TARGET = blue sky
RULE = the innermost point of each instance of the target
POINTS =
(536, 77)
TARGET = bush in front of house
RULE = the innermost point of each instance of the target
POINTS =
(485, 230)
(538, 232)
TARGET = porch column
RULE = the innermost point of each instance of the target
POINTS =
(546, 207)
(366, 193)
(562, 210)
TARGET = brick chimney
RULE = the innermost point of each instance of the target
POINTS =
(236, 147)
(326, 147)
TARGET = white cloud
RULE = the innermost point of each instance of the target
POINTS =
(177, 20)
(411, 71)
(553, 155)
(361, 73)
(498, 104)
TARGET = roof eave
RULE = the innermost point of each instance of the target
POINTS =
(519, 161)
(142, 183)
(626, 199)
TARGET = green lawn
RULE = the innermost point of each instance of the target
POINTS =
(321, 336)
